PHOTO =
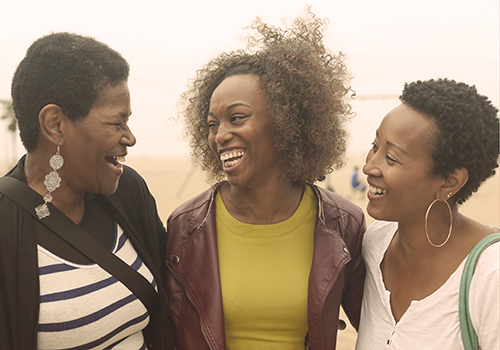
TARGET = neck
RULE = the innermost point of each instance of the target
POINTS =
(264, 205)
(411, 239)
(70, 202)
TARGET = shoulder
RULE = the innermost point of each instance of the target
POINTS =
(488, 264)
(199, 204)
(380, 229)
(132, 195)
(130, 177)
(9, 217)
(334, 205)
(188, 217)
(484, 300)
(132, 186)
(377, 238)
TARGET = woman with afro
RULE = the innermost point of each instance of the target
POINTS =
(429, 155)
(264, 259)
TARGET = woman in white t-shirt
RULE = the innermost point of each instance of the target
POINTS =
(430, 154)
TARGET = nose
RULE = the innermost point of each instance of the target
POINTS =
(371, 167)
(224, 134)
(128, 138)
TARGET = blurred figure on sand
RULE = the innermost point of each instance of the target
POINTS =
(356, 184)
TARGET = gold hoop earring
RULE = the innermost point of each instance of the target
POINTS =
(451, 224)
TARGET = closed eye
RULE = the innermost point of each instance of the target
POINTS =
(375, 148)
(391, 159)
(238, 117)
(119, 125)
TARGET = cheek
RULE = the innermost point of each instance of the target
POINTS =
(212, 143)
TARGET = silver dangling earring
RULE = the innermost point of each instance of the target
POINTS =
(451, 222)
(52, 181)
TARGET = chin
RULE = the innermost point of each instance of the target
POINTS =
(108, 190)
(235, 181)
(374, 214)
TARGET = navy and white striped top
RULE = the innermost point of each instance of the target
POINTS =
(84, 307)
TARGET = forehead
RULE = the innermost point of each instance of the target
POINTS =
(113, 102)
(407, 128)
(113, 94)
(245, 86)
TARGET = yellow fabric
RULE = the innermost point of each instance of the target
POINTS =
(264, 277)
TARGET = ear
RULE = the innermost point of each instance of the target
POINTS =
(50, 119)
(454, 183)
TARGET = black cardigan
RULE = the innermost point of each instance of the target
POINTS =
(132, 206)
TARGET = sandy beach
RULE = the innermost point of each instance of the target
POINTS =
(173, 181)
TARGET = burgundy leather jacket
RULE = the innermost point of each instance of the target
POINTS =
(193, 281)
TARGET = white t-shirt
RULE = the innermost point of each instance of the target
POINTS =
(433, 322)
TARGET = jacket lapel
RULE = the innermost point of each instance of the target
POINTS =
(330, 257)
(195, 264)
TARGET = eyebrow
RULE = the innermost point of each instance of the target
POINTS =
(234, 105)
(392, 144)
(396, 146)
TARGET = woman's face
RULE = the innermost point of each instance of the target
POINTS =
(240, 132)
(398, 167)
(92, 145)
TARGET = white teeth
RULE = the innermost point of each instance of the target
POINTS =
(376, 190)
(232, 162)
(231, 159)
(227, 156)
(120, 159)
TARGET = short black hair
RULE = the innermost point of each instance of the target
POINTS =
(66, 69)
(467, 129)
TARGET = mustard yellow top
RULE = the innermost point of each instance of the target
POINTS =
(264, 273)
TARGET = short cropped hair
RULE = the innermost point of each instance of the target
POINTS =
(65, 69)
(467, 129)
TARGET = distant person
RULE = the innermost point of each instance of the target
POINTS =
(264, 259)
(356, 183)
(430, 154)
(71, 99)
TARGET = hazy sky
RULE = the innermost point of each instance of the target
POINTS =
(388, 42)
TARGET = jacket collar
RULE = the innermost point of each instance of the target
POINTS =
(199, 271)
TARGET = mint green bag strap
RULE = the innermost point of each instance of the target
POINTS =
(469, 336)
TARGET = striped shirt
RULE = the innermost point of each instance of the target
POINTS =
(84, 307)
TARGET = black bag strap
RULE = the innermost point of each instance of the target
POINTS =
(65, 228)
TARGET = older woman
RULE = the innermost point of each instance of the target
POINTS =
(264, 259)
(72, 102)
(429, 155)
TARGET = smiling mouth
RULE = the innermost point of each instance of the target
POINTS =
(115, 161)
(376, 191)
(231, 159)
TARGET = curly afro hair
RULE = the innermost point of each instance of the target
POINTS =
(305, 87)
(467, 129)
(65, 69)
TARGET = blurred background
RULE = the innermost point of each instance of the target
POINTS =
(388, 42)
